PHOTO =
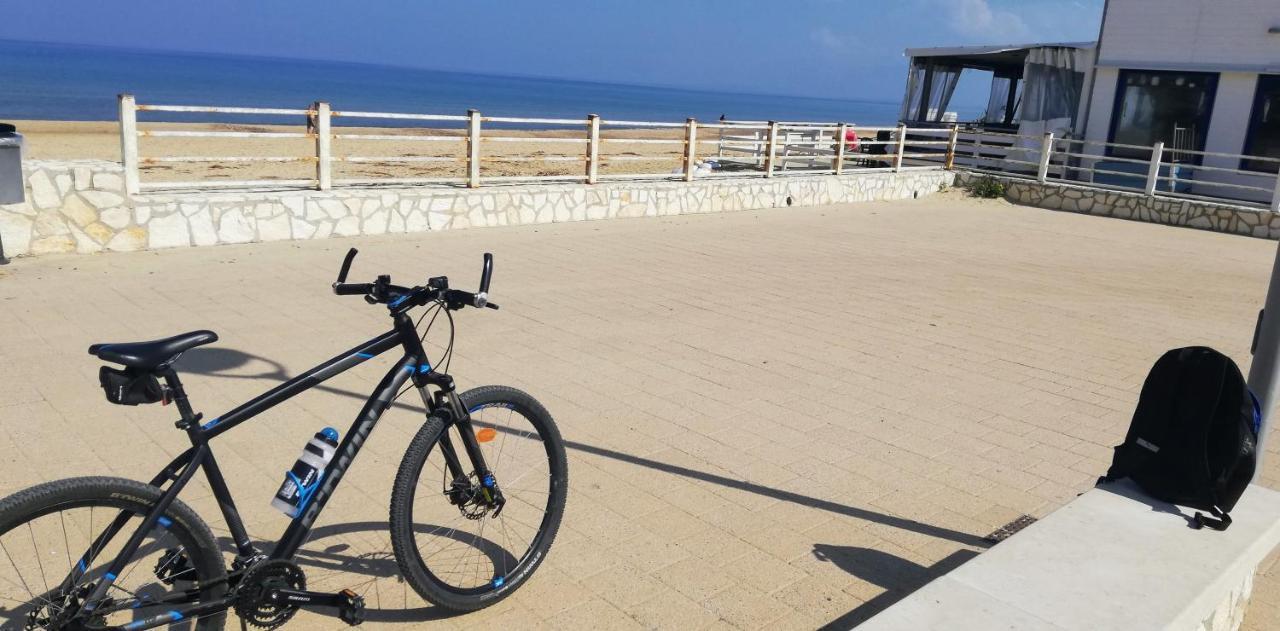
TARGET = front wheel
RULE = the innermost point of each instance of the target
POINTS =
(455, 550)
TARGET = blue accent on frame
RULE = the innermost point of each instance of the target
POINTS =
(137, 624)
(175, 615)
(210, 425)
(165, 521)
(364, 355)
(109, 576)
(398, 301)
(305, 492)
(81, 566)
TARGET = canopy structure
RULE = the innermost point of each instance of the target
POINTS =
(1034, 87)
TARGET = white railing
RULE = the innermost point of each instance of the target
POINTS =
(1181, 173)
(606, 149)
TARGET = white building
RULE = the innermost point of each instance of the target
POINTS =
(1197, 75)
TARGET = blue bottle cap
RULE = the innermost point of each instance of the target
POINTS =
(330, 433)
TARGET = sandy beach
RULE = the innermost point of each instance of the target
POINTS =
(101, 140)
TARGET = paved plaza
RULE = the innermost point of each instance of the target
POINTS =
(776, 419)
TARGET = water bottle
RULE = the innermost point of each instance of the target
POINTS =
(303, 479)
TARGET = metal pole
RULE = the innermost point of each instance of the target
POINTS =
(1266, 359)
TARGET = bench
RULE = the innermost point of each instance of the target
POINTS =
(1110, 559)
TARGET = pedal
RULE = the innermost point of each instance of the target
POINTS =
(351, 609)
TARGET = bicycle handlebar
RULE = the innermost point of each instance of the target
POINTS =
(400, 299)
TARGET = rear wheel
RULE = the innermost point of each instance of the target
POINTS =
(457, 552)
(47, 530)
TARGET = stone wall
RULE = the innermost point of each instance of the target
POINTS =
(71, 206)
(1215, 216)
(79, 206)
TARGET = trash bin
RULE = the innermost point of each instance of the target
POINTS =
(11, 186)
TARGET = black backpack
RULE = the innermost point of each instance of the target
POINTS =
(1194, 434)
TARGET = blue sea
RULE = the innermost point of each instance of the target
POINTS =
(65, 82)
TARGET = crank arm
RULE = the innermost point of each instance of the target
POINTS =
(350, 605)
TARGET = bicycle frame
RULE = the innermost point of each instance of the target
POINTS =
(412, 366)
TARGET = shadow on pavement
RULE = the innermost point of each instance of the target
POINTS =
(898, 576)
(215, 361)
(322, 561)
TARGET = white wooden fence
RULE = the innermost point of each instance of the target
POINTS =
(739, 148)
(1200, 175)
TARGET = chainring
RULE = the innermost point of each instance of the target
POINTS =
(252, 601)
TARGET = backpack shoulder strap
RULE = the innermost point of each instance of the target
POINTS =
(1157, 396)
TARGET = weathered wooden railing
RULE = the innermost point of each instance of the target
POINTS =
(1184, 173)
(702, 150)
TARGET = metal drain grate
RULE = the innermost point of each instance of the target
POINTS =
(1010, 529)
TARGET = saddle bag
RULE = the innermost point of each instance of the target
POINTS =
(129, 386)
(1194, 434)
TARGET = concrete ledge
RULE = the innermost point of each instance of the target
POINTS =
(1134, 206)
(1110, 559)
(80, 206)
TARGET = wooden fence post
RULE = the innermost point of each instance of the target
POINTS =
(1153, 171)
(1046, 152)
(1275, 195)
(952, 139)
(838, 163)
(129, 142)
(690, 148)
(902, 145)
(324, 150)
(473, 149)
(770, 148)
(593, 148)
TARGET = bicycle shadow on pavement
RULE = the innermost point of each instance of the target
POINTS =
(324, 562)
(899, 577)
(216, 361)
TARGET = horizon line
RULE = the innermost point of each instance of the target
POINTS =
(206, 53)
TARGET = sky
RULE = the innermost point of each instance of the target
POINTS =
(826, 48)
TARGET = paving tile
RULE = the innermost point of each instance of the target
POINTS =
(739, 457)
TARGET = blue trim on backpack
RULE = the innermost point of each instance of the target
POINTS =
(1257, 413)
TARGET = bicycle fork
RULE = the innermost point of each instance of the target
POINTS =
(446, 406)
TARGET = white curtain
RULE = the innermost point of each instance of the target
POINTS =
(938, 81)
(915, 89)
(1053, 79)
(942, 84)
(998, 102)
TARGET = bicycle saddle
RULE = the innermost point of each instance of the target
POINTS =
(155, 354)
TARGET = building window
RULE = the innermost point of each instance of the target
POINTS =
(1168, 107)
(1264, 126)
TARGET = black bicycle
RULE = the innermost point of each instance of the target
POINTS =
(468, 526)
